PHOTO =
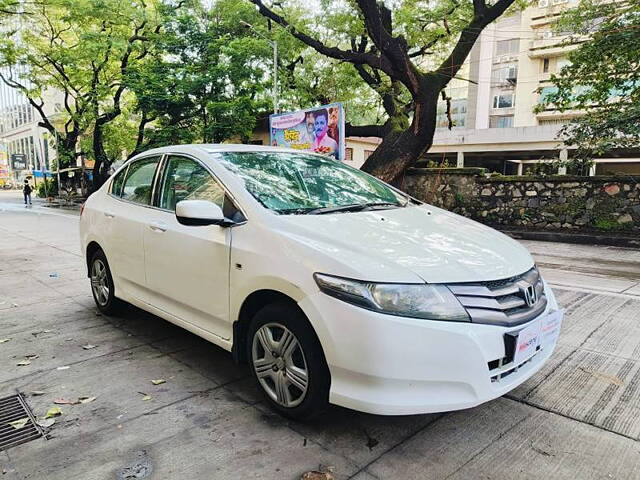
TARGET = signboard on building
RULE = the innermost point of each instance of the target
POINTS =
(319, 129)
(18, 161)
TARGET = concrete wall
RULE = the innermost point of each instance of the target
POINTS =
(606, 203)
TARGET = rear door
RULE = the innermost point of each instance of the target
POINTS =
(187, 267)
(126, 215)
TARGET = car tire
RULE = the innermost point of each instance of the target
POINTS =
(102, 287)
(296, 355)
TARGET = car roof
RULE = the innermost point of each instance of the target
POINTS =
(219, 147)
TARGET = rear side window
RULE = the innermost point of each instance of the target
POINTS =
(138, 185)
(116, 183)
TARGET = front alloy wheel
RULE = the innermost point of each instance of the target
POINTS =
(279, 364)
(287, 361)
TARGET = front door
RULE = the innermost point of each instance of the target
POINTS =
(187, 267)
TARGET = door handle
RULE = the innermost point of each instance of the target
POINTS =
(109, 215)
(158, 227)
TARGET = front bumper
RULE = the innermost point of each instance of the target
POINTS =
(390, 365)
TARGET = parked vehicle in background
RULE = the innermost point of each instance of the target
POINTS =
(332, 285)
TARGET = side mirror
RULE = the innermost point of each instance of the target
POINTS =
(200, 212)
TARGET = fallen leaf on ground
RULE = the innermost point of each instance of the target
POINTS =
(46, 422)
(37, 393)
(89, 346)
(63, 401)
(23, 363)
(4, 340)
(160, 381)
(53, 412)
(63, 368)
(146, 398)
(35, 334)
(32, 356)
(18, 424)
(604, 377)
(86, 399)
(316, 475)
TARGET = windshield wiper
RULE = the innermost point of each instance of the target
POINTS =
(383, 204)
(356, 207)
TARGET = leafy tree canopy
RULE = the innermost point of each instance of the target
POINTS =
(603, 78)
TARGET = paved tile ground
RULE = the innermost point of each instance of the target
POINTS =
(578, 418)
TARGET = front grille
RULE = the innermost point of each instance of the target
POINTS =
(13, 409)
(502, 302)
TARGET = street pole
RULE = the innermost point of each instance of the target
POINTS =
(57, 160)
(276, 106)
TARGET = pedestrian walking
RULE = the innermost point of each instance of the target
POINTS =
(26, 190)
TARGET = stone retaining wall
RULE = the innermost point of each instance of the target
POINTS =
(606, 203)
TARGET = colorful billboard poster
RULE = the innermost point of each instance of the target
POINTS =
(319, 129)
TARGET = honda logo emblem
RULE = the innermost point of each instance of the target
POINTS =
(530, 295)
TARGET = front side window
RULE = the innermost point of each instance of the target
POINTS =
(186, 179)
(138, 185)
(301, 183)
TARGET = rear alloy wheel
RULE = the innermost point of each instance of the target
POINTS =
(102, 285)
(287, 361)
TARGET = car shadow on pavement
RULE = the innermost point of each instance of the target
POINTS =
(363, 435)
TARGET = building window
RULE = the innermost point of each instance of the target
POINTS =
(508, 73)
(458, 113)
(505, 100)
(507, 47)
(501, 122)
(545, 65)
(367, 153)
(348, 154)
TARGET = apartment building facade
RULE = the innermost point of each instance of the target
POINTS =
(509, 72)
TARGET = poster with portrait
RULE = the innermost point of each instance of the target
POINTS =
(319, 129)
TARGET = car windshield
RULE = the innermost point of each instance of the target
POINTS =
(300, 183)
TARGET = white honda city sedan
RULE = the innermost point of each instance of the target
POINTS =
(332, 285)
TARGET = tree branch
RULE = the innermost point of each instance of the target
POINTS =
(366, 58)
(482, 17)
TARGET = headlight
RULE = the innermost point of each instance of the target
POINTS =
(433, 302)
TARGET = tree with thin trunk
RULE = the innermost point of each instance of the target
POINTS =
(392, 52)
(70, 58)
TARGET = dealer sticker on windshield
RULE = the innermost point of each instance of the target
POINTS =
(543, 332)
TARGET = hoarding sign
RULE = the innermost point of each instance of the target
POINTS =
(18, 161)
(319, 129)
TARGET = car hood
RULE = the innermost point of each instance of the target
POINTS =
(436, 245)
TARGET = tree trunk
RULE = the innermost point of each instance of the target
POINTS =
(102, 163)
(401, 148)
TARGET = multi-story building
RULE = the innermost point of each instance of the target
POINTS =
(509, 72)
(20, 133)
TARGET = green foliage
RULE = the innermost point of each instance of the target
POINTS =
(603, 78)
(50, 190)
(205, 79)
